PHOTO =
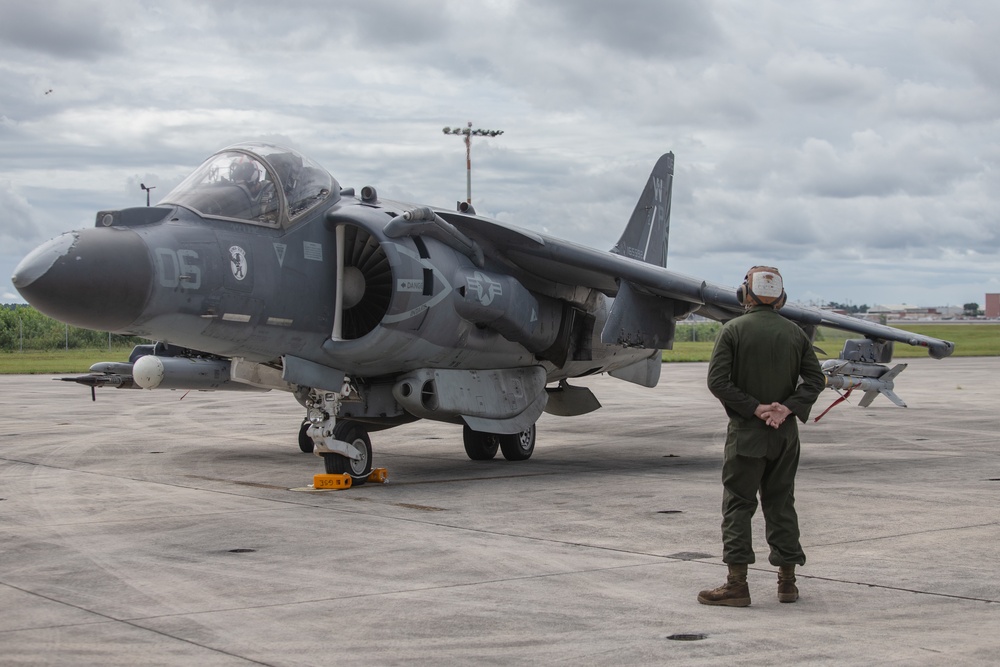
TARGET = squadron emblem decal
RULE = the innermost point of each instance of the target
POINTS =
(238, 262)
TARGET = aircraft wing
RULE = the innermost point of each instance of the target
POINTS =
(564, 263)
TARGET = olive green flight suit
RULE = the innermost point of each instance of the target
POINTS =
(759, 358)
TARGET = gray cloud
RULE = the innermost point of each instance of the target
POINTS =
(815, 78)
(818, 135)
(921, 164)
(63, 29)
(660, 30)
(18, 221)
(968, 37)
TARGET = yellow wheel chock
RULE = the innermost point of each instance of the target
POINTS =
(343, 481)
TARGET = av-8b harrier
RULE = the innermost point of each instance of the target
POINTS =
(259, 271)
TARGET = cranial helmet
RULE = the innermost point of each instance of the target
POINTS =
(762, 286)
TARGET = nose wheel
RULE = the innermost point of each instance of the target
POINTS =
(305, 442)
(337, 464)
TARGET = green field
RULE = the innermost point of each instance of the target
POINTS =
(971, 340)
(58, 361)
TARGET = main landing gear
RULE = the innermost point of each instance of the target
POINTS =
(482, 446)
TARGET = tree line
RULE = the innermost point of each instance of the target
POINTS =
(24, 328)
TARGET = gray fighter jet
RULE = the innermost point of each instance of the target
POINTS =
(259, 271)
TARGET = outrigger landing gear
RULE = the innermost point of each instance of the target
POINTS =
(344, 445)
(482, 446)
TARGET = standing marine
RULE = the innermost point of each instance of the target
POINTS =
(763, 370)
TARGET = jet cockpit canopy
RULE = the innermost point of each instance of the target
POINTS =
(258, 183)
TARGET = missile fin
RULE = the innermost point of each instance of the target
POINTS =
(867, 399)
(891, 395)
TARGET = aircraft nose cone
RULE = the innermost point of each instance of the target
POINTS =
(96, 278)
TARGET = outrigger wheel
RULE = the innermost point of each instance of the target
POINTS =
(337, 464)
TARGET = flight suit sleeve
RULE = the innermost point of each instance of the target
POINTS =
(720, 378)
(812, 384)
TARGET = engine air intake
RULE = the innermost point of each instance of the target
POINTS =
(368, 276)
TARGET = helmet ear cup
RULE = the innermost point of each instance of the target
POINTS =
(742, 293)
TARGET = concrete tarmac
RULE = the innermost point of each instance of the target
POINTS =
(159, 528)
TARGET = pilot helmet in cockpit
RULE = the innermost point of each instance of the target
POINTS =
(244, 170)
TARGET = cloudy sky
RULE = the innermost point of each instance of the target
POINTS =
(853, 145)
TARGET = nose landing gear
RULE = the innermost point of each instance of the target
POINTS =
(344, 445)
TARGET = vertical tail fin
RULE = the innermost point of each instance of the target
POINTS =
(645, 237)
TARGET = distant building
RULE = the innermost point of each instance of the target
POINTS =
(902, 311)
(950, 312)
(906, 312)
(992, 306)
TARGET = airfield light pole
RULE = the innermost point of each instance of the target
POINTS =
(468, 133)
(143, 186)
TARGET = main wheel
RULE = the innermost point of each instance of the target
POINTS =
(337, 464)
(478, 445)
(305, 442)
(518, 446)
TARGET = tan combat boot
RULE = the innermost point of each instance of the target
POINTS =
(787, 592)
(734, 593)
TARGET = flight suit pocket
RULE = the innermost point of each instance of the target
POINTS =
(747, 438)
